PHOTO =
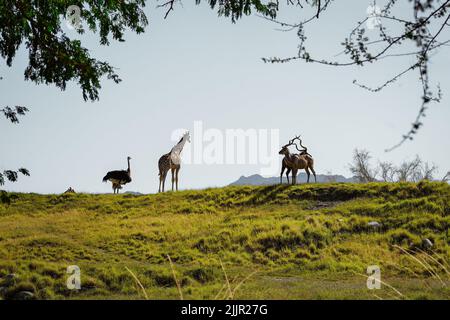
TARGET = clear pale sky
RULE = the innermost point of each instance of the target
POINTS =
(195, 66)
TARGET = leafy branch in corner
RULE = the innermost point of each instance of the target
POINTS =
(11, 175)
(235, 9)
(13, 113)
(53, 57)
(423, 31)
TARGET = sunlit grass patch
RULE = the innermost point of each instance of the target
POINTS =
(304, 241)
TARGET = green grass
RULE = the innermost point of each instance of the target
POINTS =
(276, 242)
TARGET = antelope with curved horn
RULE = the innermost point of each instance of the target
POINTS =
(296, 162)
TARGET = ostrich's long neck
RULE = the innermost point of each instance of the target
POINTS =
(129, 170)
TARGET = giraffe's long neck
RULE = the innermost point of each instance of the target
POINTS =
(179, 147)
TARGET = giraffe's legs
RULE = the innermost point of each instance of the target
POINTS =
(161, 177)
(164, 180)
(176, 176)
(172, 171)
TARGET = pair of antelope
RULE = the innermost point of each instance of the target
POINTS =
(294, 162)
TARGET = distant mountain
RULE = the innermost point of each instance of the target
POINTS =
(133, 193)
(258, 180)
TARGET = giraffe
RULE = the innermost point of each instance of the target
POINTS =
(172, 161)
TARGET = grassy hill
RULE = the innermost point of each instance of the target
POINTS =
(270, 242)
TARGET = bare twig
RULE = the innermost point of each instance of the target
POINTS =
(169, 4)
(356, 47)
(175, 278)
(138, 282)
(382, 282)
(425, 265)
(230, 292)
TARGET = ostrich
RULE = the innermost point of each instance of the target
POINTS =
(119, 177)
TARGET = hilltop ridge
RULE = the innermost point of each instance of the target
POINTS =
(306, 241)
